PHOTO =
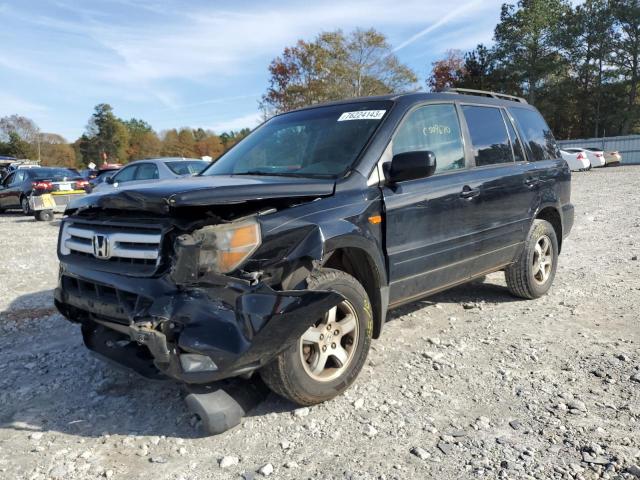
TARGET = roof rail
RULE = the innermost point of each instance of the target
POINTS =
(470, 91)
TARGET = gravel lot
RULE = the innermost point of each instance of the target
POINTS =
(469, 383)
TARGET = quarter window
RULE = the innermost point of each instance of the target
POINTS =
(489, 137)
(433, 128)
(539, 141)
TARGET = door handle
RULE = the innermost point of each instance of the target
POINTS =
(468, 192)
(531, 182)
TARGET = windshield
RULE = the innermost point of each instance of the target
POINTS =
(322, 142)
(187, 167)
(53, 174)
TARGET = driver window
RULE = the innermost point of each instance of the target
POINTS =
(125, 175)
(435, 128)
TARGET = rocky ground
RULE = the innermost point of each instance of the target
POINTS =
(469, 383)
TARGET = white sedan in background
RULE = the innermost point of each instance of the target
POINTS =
(577, 160)
(594, 154)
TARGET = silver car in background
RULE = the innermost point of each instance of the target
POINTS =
(146, 171)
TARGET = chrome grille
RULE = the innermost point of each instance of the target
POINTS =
(111, 244)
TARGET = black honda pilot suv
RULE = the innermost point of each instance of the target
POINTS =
(285, 255)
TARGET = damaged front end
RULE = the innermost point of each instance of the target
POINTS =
(206, 307)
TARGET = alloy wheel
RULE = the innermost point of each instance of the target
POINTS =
(328, 347)
(542, 260)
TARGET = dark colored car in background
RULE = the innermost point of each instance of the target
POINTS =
(284, 256)
(98, 177)
(16, 188)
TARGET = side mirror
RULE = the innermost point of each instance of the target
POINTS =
(109, 179)
(411, 166)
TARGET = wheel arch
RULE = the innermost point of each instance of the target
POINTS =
(551, 214)
(361, 264)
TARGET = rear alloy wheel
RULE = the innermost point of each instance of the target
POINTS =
(532, 275)
(24, 203)
(330, 354)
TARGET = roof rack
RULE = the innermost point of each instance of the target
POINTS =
(470, 91)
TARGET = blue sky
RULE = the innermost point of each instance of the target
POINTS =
(195, 63)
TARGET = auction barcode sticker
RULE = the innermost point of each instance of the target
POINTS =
(362, 115)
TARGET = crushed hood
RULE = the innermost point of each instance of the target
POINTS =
(204, 191)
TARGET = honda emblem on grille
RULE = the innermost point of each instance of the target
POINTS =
(101, 247)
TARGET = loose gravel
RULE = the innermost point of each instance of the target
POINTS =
(470, 383)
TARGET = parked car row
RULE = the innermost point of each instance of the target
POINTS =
(42, 191)
(581, 159)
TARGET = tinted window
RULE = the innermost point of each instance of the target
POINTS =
(433, 128)
(186, 167)
(518, 153)
(322, 141)
(489, 137)
(125, 175)
(539, 141)
(147, 171)
(7, 181)
(56, 174)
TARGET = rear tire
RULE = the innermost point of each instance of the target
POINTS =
(310, 371)
(533, 273)
(44, 215)
(24, 204)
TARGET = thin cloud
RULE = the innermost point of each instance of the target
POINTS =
(245, 121)
(464, 9)
(168, 63)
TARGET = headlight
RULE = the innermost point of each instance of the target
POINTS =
(223, 248)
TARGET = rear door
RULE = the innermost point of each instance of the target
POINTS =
(505, 188)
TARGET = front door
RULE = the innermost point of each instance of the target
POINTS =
(428, 242)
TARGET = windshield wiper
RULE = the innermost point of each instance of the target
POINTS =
(285, 174)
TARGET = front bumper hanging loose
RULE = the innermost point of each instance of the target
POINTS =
(199, 335)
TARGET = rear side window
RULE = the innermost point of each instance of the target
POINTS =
(518, 152)
(147, 171)
(185, 167)
(539, 141)
(489, 137)
(433, 128)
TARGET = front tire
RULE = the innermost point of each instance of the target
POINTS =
(533, 273)
(329, 356)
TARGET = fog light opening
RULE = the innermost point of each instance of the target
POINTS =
(192, 362)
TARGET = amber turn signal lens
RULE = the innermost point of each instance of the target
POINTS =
(375, 219)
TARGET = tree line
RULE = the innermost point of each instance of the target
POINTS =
(108, 138)
(578, 64)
